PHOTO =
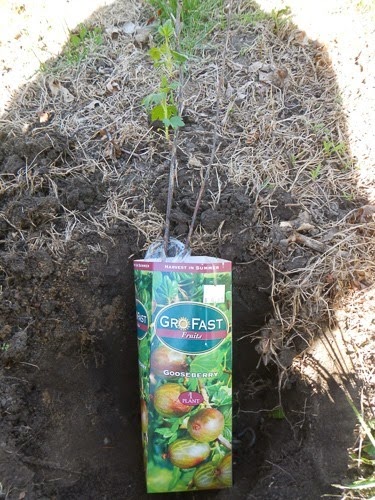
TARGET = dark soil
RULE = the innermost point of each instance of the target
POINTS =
(69, 403)
(70, 425)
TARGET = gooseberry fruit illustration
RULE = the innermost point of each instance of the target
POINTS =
(205, 477)
(166, 400)
(164, 358)
(206, 425)
(187, 453)
(224, 470)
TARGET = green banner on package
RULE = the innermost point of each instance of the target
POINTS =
(184, 329)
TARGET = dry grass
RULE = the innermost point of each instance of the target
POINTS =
(282, 130)
(282, 127)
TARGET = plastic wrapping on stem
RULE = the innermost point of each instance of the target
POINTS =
(176, 252)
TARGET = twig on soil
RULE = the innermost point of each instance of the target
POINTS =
(283, 470)
(15, 378)
(308, 242)
(29, 364)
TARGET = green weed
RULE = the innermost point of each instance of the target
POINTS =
(44, 67)
(366, 457)
(161, 104)
(199, 18)
(367, 8)
(78, 46)
(348, 196)
(280, 18)
(294, 158)
(4, 346)
(330, 147)
(319, 128)
(267, 184)
(315, 172)
(251, 17)
(277, 413)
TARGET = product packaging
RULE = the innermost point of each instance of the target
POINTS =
(184, 328)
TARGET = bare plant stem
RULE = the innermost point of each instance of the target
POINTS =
(220, 92)
(174, 162)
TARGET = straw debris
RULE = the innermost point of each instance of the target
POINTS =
(281, 142)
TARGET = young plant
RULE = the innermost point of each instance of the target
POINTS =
(162, 103)
(199, 18)
(348, 196)
(366, 456)
(330, 147)
(4, 346)
(280, 18)
(78, 46)
(315, 172)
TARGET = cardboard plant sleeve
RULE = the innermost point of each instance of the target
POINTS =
(184, 328)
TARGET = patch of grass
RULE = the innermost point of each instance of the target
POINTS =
(280, 18)
(330, 147)
(315, 172)
(251, 16)
(348, 196)
(80, 41)
(364, 457)
(199, 18)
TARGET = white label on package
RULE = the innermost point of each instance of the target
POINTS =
(213, 294)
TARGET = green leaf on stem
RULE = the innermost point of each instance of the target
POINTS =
(176, 121)
(362, 484)
(178, 57)
(166, 122)
(166, 30)
(156, 98)
(158, 113)
(155, 53)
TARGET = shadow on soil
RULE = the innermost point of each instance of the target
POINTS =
(69, 405)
